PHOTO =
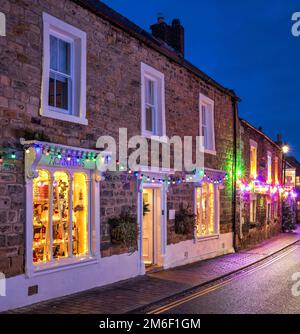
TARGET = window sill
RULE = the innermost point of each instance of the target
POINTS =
(212, 152)
(64, 117)
(63, 264)
(208, 237)
(160, 139)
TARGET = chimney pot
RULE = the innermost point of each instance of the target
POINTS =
(172, 34)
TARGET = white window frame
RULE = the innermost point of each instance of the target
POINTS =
(160, 121)
(72, 35)
(216, 213)
(93, 222)
(253, 144)
(206, 101)
(269, 166)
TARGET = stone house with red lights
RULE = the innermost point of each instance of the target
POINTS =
(259, 186)
(71, 72)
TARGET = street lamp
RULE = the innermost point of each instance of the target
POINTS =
(285, 149)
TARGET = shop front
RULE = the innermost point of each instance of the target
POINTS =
(62, 205)
(62, 227)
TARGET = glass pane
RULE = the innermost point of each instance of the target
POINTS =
(53, 53)
(62, 92)
(198, 207)
(211, 201)
(149, 91)
(149, 118)
(80, 214)
(64, 57)
(203, 110)
(51, 90)
(205, 136)
(41, 228)
(204, 208)
(60, 218)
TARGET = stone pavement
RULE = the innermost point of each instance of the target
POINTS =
(128, 295)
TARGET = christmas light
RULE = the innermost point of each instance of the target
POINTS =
(59, 155)
(13, 155)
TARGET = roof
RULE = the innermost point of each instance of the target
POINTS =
(120, 21)
(293, 162)
(260, 132)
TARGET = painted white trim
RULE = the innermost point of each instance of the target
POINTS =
(163, 223)
(205, 100)
(188, 251)
(53, 25)
(152, 73)
(253, 143)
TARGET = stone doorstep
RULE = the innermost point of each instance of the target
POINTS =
(121, 288)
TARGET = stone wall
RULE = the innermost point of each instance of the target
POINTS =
(113, 101)
(250, 233)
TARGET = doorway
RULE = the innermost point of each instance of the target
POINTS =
(151, 227)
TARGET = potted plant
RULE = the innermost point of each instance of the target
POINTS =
(124, 230)
(184, 221)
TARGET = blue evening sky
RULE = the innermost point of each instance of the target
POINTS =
(244, 45)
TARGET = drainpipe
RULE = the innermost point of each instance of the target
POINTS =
(234, 166)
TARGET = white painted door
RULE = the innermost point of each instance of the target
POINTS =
(148, 226)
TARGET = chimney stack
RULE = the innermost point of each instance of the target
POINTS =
(172, 34)
(279, 139)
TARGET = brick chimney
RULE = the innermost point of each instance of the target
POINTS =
(172, 34)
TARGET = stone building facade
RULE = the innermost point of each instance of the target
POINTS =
(48, 151)
(259, 186)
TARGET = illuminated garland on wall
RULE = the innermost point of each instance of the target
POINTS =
(259, 187)
(78, 156)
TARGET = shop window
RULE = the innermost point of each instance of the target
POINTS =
(60, 210)
(207, 209)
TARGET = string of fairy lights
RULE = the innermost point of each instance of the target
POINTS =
(85, 156)
(200, 175)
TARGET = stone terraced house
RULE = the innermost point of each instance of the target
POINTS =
(70, 72)
(259, 179)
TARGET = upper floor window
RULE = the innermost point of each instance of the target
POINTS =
(253, 159)
(64, 71)
(276, 166)
(269, 167)
(153, 102)
(207, 127)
